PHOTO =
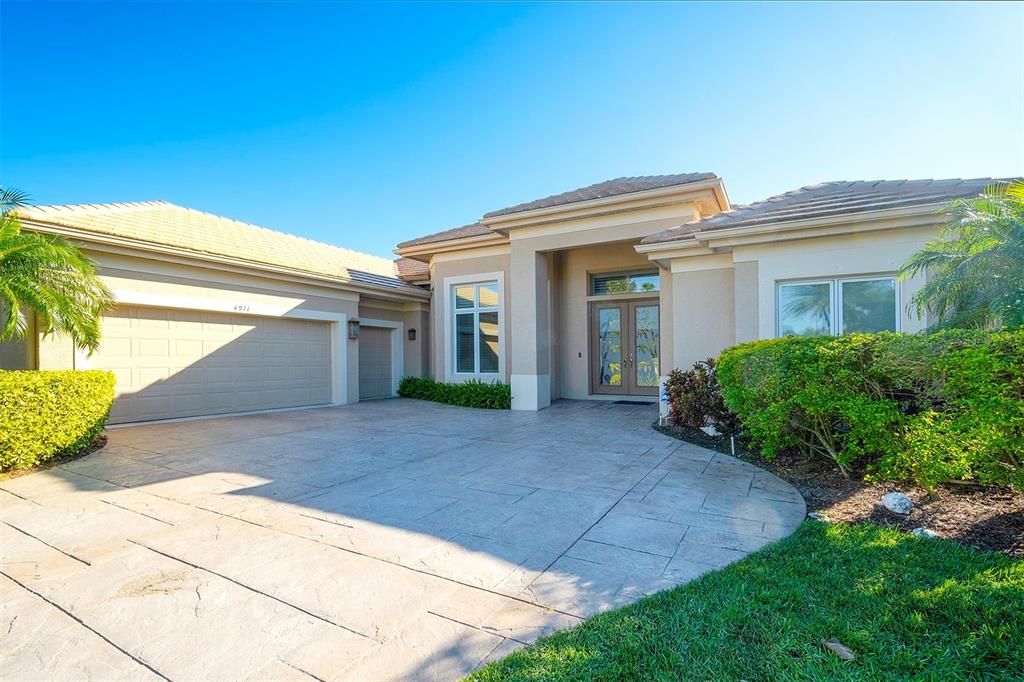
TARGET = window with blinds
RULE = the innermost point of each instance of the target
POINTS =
(477, 341)
(624, 283)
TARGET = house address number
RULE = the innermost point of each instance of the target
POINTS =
(241, 308)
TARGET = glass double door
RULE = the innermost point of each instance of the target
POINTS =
(624, 345)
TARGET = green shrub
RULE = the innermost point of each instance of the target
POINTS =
(474, 393)
(695, 398)
(47, 414)
(926, 407)
(963, 393)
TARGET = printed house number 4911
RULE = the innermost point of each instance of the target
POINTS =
(240, 308)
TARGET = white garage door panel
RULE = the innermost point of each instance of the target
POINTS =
(179, 363)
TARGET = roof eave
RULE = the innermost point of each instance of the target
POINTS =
(702, 242)
(508, 221)
(423, 252)
(684, 244)
(204, 257)
(929, 213)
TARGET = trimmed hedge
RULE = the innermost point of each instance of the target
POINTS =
(947, 406)
(474, 393)
(45, 414)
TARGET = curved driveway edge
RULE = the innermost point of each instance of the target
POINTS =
(383, 540)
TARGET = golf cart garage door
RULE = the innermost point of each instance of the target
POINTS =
(375, 372)
(375, 363)
(180, 363)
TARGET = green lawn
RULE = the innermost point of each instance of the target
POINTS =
(909, 608)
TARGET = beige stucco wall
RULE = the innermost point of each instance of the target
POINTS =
(868, 253)
(545, 270)
(531, 310)
(411, 316)
(708, 302)
(464, 264)
(703, 311)
(727, 298)
(20, 353)
(142, 281)
(549, 311)
(747, 299)
(607, 227)
(667, 315)
(179, 283)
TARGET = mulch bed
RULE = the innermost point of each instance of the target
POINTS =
(983, 517)
(97, 444)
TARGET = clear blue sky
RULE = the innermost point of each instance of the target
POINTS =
(364, 125)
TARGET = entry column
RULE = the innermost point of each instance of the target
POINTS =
(530, 376)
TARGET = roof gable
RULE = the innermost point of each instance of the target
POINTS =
(608, 188)
(600, 190)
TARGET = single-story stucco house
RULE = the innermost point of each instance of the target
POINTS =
(591, 294)
(599, 292)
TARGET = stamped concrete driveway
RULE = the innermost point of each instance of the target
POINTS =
(389, 539)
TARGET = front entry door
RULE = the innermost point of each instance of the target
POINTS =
(624, 338)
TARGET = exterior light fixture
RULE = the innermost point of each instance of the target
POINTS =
(412, 334)
(353, 329)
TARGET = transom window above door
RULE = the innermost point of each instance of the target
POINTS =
(625, 283)
(476, 331)
(838, 306)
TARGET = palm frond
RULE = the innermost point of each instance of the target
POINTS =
(975, 266)
(49, 277)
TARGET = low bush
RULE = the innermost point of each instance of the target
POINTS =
(493, 395)
(49, 414)
(931, 408)
(695, 398)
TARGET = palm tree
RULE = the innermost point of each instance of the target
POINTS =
(976, 265)
(48, 277)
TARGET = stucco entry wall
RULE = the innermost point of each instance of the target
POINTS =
(570, 330)
(747, 295)
(703, 313)
(534, 317)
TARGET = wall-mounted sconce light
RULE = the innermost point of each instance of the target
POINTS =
(353, 329)
(412, 334)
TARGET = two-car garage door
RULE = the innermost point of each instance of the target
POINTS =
(180, 363)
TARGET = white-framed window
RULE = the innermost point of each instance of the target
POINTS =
(476, 328)
(838, 306)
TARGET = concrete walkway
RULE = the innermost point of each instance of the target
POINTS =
(390, 539)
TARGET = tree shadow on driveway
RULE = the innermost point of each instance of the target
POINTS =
(391, 531)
